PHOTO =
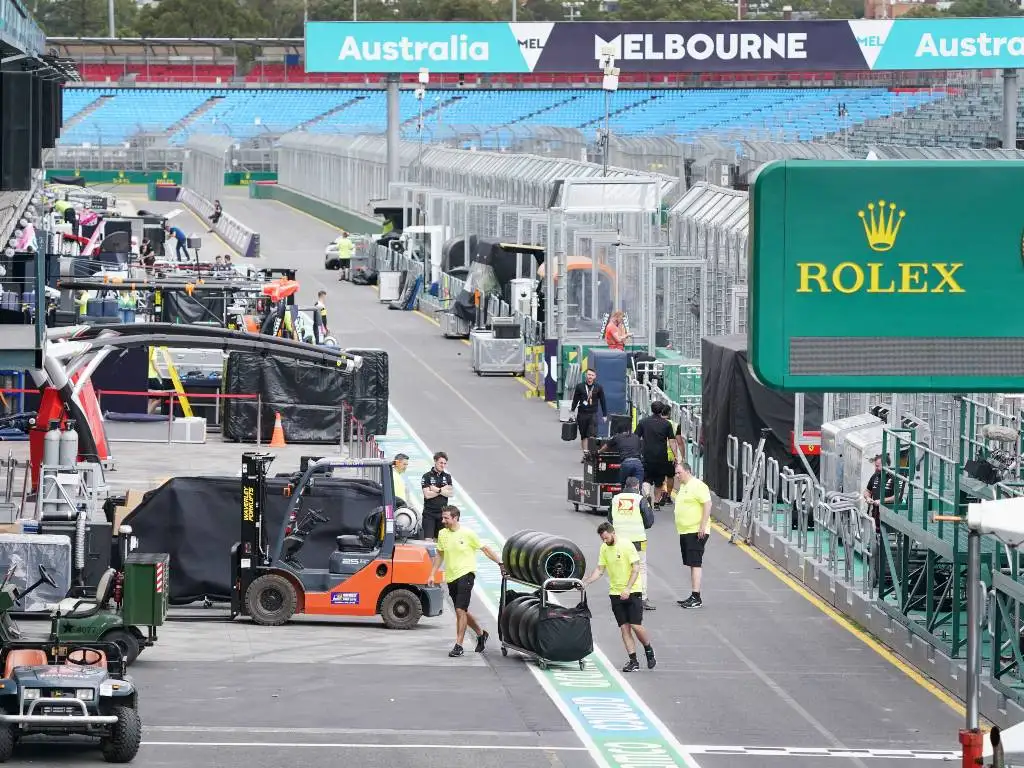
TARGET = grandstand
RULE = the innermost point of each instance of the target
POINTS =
(111, 115)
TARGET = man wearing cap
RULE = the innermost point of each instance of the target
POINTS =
(873, 496)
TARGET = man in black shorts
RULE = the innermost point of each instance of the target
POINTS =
(458, 546)
(656, 433)
(586, 398)
(437, 490)
(620, 560)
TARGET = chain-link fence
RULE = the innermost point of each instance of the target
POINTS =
(154, 155)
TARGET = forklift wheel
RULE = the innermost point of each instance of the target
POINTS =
(271, 600)
(401, 609)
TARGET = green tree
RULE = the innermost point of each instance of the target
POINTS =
(84, 18)
(668, 10)
(984, 8)
(924, 12)
(200, 18)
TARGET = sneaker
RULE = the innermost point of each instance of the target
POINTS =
(631, 666)
(651, 661)
(481, 641)
(456, 651)
(691, 602)
(649, 606)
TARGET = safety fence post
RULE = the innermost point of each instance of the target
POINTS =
(259, 419)
(170, 418)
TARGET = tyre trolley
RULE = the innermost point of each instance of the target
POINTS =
(559, 585)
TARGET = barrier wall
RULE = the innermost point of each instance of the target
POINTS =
(316, 208)
(231, 178)
(242, 239)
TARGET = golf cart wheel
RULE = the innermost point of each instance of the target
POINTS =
(271, 600)
(8, 738)
(401, 609)
(126, 641)
(122, 744)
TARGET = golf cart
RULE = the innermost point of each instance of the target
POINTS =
(87, 620)
(62, 689)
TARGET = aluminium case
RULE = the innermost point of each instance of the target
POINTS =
(833, 440)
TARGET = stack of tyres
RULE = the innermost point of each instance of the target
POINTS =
(533, 557)
(518, 620)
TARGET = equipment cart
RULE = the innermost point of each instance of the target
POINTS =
(600, 482)
(512, 620)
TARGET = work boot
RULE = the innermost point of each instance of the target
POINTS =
(481, 641)
(456, 651)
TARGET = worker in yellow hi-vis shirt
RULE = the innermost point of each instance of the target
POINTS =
(458, 546)
(620, 560)
(631, 514)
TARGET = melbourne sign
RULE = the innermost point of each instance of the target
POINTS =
(664, 46)
(875, 276)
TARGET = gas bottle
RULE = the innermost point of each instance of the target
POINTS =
(69, 446)
(51, 445)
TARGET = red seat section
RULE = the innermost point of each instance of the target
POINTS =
(158, 73)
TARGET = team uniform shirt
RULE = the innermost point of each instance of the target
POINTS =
(459, 550)
(617, 560)
(655, 432)
(628, 446)
(690, 501)
(437, 480)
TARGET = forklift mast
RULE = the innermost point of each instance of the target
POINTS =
(250, 553)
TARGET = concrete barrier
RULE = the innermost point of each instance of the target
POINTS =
(242, 239)
(342, 219)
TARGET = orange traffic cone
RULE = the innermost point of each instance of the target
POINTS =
(277, 439)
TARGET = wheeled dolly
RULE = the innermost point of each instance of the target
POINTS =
(562, 585)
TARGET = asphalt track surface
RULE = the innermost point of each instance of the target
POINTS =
(759, 666)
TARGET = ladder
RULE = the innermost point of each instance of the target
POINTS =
(743, 522)
(172, 371)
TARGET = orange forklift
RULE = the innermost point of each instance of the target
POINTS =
(371, 573)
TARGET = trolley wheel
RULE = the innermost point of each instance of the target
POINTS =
(542, 664)
(479, 373)
(504, 651)
(583, 665)
(576, 507)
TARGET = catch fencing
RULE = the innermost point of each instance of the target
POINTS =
(207, 159)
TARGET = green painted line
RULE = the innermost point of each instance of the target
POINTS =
(608, 716)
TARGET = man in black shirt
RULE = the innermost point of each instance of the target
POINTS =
(586, 398)
(656, 433)
(629, 447)
(873, 495)
(437, 491)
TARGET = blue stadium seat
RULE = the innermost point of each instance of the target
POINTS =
(784, 113)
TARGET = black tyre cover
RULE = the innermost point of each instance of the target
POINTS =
(528, 627)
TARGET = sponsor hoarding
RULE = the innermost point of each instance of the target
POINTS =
(664, 46)
(887, 276)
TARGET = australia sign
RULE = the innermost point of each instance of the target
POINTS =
(664, 46)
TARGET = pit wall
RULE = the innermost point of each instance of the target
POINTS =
(231, 179)
(861, 609)
(342, 219)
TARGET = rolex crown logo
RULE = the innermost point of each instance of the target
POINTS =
(881, 229)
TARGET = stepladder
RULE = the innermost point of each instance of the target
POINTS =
(750, 499)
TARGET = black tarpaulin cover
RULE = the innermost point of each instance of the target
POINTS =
(308, 397)
(490, 271)
(69, 181)
(200, 307)
(734, 403)
(369, 394)
(196, 520)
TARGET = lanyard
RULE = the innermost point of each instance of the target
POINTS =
(589, 391)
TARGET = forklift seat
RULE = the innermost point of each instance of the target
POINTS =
(82, 608)
(355, 543)
(24, 657)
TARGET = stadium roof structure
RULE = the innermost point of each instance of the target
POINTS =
(22, 43)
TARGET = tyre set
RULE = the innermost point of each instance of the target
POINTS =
(533, 557)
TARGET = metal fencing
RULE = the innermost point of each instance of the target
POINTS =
(206, 162)
(156, 155)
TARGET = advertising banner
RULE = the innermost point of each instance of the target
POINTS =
(888, 276)
(664, 46)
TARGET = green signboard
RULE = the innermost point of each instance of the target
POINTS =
(888, 276)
